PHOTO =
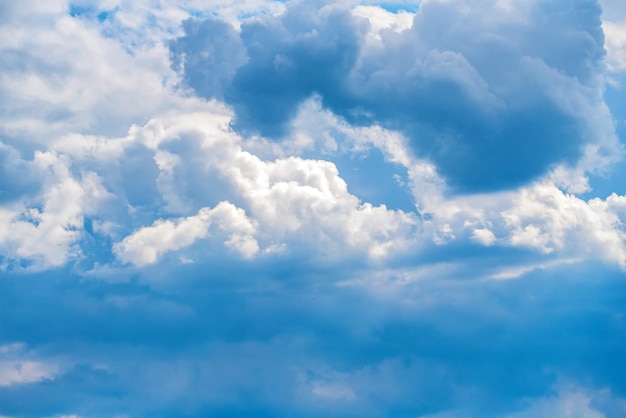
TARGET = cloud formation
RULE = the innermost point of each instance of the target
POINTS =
(264, 208)
(148, 244)
(482, 89)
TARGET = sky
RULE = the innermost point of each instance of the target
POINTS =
(261, 208)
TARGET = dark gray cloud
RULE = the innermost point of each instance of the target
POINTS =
(493, 97)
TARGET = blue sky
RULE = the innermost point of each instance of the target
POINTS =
(313, 209)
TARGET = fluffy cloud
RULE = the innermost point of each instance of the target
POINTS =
(186, 159)
(478, 87)
(547, 219)
(543, 215)
(290, 200)
(42, 229)
(146, 245)
(613, 24)
(615, 45)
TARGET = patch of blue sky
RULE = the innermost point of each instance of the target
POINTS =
(104, 15)
(201, 14)
(373, 179)
(96, 247)
(76, 11)
(399, 7)
(90, 12)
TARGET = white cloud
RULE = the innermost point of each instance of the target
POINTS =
(64, 75)
(483, 236)
(574, 402)
(381, 19)
(546, 219)
(542, 216)
(45, 228)
(293, 200)
(148, 244)
(614, 27)
(19, 372)
(324, 130)
(515, 272)
(615, 43)
(17, 368)
(75, 111)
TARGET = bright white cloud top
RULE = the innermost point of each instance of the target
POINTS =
(311, 208)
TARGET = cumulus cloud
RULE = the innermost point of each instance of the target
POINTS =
(613, 24)
(547, 215)
(547, 219)
(290, 200)
(615, 44)
(118, 74)
(480, 89)
(147, 244)
(381, 20)
(186, 158)
(43, 229)
(484, 236)
(182, 162)
(541, 217)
